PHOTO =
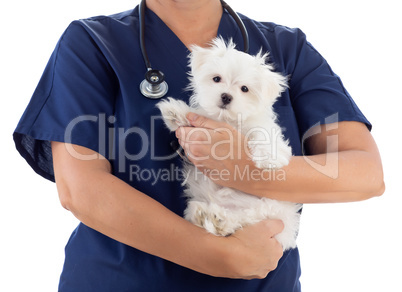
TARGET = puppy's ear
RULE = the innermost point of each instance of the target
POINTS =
(198, 57)
(221, 46)
(261, 57)
(275, 83)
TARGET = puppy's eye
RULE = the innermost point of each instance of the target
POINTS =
(244, 88)
(216, 79)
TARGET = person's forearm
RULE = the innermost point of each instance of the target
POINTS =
(117, 210)
(344, 176)
(345, 169)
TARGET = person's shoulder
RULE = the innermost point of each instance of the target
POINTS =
(271, 28)
(117, 17)
(101, 26)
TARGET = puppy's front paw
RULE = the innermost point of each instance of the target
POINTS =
(174, 113)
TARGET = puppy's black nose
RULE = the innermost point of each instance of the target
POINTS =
(226, 98)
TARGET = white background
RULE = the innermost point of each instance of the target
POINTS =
(344, 247)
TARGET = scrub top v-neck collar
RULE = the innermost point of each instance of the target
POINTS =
(161, 32)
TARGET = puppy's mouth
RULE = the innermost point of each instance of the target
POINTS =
(225, 114)
(223, 106)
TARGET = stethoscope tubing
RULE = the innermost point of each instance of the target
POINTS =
(157, 89)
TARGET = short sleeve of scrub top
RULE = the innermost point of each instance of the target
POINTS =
(76, 86)
(89, 95)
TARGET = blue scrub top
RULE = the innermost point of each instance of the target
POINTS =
(89, 95)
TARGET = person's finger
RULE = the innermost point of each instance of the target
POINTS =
(203, 122)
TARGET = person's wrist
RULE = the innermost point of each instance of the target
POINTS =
(228, 251)
(217, 256)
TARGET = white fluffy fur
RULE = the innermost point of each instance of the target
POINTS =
(222, 210)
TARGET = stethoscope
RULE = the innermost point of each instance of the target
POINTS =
(154, 85)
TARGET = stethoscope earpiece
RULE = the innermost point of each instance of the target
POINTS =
(154, 85)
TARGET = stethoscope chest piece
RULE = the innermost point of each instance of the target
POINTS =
(154, 85)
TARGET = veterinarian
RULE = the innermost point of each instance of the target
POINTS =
(89, 128)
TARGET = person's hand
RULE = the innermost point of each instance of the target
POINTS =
(254, 252)
(215, 148)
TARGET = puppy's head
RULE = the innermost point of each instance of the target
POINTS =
(228, 83)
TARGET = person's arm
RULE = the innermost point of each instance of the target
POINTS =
(344, 164)
(105, 203)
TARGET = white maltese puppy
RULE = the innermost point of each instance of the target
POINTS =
(239, 89)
